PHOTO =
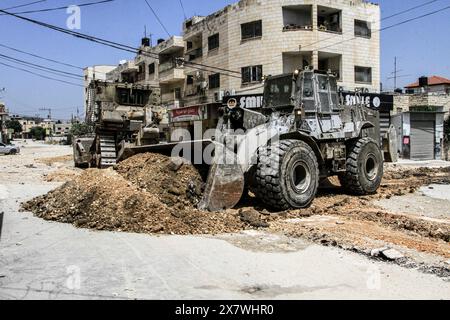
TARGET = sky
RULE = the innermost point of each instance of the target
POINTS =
(422, 46)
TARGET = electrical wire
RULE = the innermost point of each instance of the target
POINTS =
(386, 18)
(40, 75)
(63, 7)
(73, 75)
(391, 26)
(25, 5)
(114, 44)
(41, 57)
(182, 8)
(157, 18)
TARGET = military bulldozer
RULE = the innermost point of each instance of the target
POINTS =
(305, 133)
(122, 115)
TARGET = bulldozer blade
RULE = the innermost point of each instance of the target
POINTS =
(225, 183)
(166, 149)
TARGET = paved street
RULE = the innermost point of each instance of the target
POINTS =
(46, 260)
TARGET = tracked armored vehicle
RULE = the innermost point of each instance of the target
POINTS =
(122, 115)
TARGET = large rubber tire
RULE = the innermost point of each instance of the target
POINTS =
(13, 152)
(364, 168)
(287, 175)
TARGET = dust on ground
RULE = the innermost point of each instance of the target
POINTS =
(61, 175)
(151, 193)
(54, 160)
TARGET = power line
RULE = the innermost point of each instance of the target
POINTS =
(73, 75)
(182, 8)
(40, 57)
(25, 5)
(113, 44)
(386, 18)
(40, 75)
(391, 26)
(408, 10)
(157, 18)
(64, 7)
(39, 69)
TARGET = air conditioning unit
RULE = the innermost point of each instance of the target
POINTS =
(227, 93)
(218, 96)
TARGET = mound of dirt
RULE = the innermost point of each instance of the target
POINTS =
(62, 175)
(174, 181)
(147, 194)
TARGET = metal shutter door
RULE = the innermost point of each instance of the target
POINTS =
(422, 140)
(385, 122)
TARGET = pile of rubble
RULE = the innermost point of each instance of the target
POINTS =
(146, 194)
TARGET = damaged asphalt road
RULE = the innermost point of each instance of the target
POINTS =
(49, 260)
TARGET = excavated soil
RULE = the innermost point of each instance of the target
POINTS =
(338, 219)
(151, 193)
(135, 200)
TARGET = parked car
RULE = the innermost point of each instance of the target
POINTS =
(9, 149)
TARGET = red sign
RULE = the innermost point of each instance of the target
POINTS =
(186, 114)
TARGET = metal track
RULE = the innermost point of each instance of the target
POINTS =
(108, 152)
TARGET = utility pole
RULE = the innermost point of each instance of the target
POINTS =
(395, 73)
(49, 112)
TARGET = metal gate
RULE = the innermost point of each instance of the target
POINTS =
(422, 140)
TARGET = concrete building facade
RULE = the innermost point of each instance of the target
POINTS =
(230, 51)
(94, 73)
(256, 38)
(421, 118)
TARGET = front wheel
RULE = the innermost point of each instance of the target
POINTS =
(364, 168)
(287, 175)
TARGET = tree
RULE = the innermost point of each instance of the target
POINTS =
(80, 129)
(15, 125)
(38, 133)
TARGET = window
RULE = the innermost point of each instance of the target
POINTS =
(213, 42)
(190, 80)
(189, 45)
(177, 93)
(362, 29)
(214, 81)
(251, 30)
(151, 68)
(363, 74)
(252, 74)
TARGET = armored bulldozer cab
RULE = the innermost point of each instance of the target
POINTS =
(125, 106)
(319, 108)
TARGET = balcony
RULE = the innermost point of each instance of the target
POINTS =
(329, 19)
(170, 72)
(194, 54)
(297, 18)
(171, 46)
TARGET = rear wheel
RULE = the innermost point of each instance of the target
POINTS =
(364, 168)
(287, 175)
(13, 152)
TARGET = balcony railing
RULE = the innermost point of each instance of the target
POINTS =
(194, 54)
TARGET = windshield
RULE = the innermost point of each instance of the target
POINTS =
(132, 97)
(278, 92)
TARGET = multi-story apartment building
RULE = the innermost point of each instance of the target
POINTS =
(254, 38)
(94, 73)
